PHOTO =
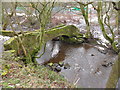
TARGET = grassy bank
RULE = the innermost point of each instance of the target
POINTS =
(17, 75)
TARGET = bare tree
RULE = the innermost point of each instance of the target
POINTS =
(13, 29)
(6, 18)
(116, 6)
(43, 13)
(106, 21)
(85, 15)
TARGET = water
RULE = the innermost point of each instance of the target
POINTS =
(118, 84)
(86, 67)
(87, 64)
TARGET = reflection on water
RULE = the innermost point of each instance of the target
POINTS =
(87, 64)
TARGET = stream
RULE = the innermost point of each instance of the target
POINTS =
(89, 67)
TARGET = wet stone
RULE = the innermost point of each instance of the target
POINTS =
(61, 64)
(103, 51)
(56, 39)
(58, 69)
(107, 64)
(92, 55)
(66, 66)
(56, 64)
(72, 40)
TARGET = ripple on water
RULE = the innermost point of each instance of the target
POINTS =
(85, 62)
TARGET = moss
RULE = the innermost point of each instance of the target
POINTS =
(61, 25)
(12, 44)
(31, 42)
(10, 51)
(114, 76)
(72, 40)
(69, 30)
(7, 33)
(10, 40)
(115, 47)
(10, 33)
(9, 55)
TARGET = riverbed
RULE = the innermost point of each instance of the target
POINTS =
(89, 67)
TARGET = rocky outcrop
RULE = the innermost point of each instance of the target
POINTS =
(31, 43)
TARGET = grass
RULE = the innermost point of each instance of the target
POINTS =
(20, 76)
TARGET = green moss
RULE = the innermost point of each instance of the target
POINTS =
(61, 25)
(73, 39)
(115, 47)
(114, 75)
(9, 41)
(31, 42)
(10, 51)
(10, 33)
(9, 55)
(7, 33)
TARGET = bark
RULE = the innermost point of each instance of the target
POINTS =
(85, 15)
(100, 21)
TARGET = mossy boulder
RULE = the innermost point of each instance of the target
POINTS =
(7, 33)
(73, 39)
(10, 33)
(31, 42)
(8, 55)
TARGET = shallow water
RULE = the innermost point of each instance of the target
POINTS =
(87, 64)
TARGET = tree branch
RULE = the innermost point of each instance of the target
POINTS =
(115, 6)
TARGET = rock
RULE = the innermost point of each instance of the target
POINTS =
(56, 39)
(92, 55)
(9, 55)
(55, 64)
(107, 64)
(55, 49)
(80, 40)
(50, 64)
(103, 51)
(66, 66)
(58, 69)
(72, 40)
(61, 64)
(33, 46)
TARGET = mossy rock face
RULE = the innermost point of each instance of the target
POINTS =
(69, 30)
(72, 40)
(10, 33)
(8, 55)
(30, 40)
